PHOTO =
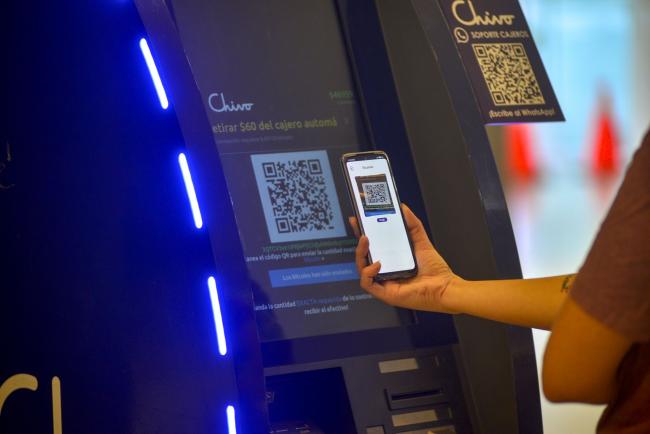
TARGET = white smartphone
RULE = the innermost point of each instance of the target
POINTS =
(377, 208)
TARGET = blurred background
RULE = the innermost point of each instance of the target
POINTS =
(560, 178)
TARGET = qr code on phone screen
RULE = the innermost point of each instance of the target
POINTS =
(298, 196)
(508, 74)
(376, 193)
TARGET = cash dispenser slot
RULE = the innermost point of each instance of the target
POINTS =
(401, 400)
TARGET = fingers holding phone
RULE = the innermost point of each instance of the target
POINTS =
(425, 291)
(424, 276)
(378, 215)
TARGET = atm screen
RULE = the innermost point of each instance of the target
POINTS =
(283, 109)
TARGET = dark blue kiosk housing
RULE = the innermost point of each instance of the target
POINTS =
(180, 254)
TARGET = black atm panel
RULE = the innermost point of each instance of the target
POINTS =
(277, 150)
(397, 392)
(284, 88)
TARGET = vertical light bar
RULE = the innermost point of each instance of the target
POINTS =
(230, 413)
(191, 193)
(216, 312)
(56, 406)
(153, 71)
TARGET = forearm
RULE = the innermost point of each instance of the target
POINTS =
(525, 302)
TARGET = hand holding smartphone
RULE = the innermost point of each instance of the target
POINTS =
(376, 205)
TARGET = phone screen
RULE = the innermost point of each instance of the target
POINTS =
(378, 208)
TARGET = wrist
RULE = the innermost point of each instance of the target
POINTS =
(449, 297)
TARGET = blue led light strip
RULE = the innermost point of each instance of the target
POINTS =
(230, 412)
(191, 193)
(216, 312)
(155, 77)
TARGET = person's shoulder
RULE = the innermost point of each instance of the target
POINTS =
(638, 173)
(612, 285)
(644, 149)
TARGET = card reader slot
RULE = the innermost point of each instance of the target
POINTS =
(410, 395)
(419, 398)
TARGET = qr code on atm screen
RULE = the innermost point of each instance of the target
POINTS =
(298, 196)
(508, 74)
(376, 193)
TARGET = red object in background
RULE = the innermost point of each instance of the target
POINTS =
(519, 148)
(605, 157)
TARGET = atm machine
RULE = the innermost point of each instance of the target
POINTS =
(267, 96)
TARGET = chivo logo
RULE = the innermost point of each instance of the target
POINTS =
(465, 13)
(217, 102)
(29, 382)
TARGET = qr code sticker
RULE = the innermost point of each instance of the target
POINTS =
(298, 196)
(376, 193)
(508, 74)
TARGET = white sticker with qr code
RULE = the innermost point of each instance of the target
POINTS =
(298, 196)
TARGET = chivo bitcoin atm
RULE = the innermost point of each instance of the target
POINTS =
(265, 97)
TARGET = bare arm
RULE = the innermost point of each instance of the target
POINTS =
(530, 303)
(582, 358)
(524, 302)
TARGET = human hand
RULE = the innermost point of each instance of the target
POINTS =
(425, 291)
